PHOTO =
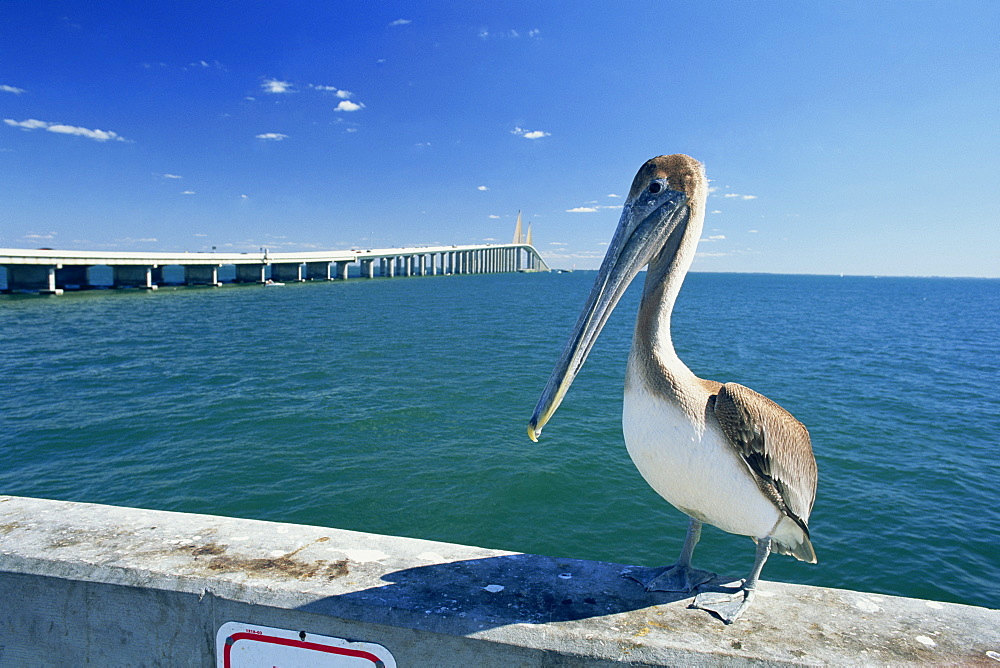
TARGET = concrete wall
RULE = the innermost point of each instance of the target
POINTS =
(89, 584)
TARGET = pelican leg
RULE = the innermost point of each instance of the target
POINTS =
(729, 605)
(680, 576)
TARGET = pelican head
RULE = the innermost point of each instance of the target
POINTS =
(667, 195)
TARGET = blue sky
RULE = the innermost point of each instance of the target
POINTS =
(840, 137)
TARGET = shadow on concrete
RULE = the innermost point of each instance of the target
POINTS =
(470, 595)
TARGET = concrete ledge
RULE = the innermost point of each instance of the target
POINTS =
(85, 583)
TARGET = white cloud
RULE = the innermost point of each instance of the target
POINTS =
(483, 188)
(203, 64)
(347, 105)
(715, 237)
(271, 136)
(244, 197)
(342, 94)
(401, 22)
(147, 240)
(11, 89)
(529, 134)
(752, 231)
(40, 237)
(715, 211)
(188, 192)
(749, 197)
(59, 128)
(494, 216)
(276, 86)
(729, 195)
(172, 176)
(197, 234)
(484, 33)
(30, 124)
(557, 243)
(582, 209)
(615, 196)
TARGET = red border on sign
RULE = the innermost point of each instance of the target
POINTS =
(294, 643)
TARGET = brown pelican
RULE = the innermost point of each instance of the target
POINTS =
(719, 452)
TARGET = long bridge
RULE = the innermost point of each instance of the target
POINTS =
(47, 271)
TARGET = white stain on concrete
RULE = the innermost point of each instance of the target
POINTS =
(924, 640)
(430, 556)
(365, 556)
(866, 605)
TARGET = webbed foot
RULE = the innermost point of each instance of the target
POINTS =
(677, 577)
(727, 603)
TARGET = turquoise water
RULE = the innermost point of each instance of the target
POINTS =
(399, 406)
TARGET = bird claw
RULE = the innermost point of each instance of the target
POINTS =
(674, 578)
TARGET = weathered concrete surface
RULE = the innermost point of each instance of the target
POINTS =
(85, 583)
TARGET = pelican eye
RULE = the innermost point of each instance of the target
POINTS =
(655, 187)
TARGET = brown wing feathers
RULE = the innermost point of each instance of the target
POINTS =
(774, 444)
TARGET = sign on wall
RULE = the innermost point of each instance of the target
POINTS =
(239, 645)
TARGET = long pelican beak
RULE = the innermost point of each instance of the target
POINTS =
(648, 219)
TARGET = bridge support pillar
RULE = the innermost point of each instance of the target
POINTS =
(40, 278)
(201, 274)
(250, 273)
(342, 269)
(133, 276)
(390, 265)
(318, 271)
(73, 277)
(286, 272)
(368, 268)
